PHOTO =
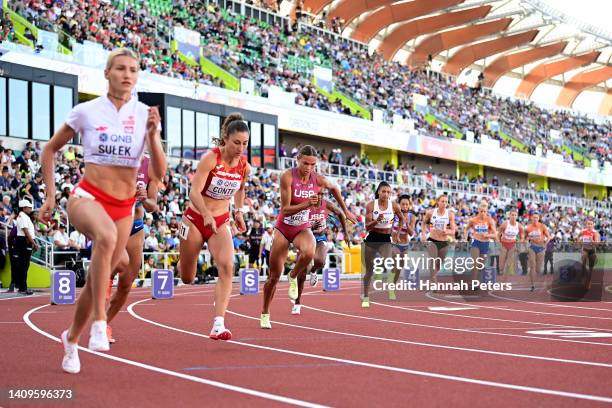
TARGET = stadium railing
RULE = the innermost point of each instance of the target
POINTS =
(431, 182)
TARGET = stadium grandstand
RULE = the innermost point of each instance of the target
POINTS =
(502, 101)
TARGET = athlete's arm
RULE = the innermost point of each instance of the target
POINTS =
(370, 221)
(285, 193)
(158, 157)
(333, 208)
(450, 232)
(206, 164)
(398, 213)
(335, 190)
(502, 229)
(412, 226)
(47, 158)
(425, 224)
(492, 228)
(239, 200)
(150, 203)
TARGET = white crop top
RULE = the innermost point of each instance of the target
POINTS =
(111, 137)
(387, 213)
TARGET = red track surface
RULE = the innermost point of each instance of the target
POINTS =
(334, 354)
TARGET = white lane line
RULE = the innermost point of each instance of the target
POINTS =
(21, 297)
(218, 384)
(551, 304)
(385, 367)
(466, 330)
(521, 310)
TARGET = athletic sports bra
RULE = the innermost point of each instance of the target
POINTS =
(223, 182)
(511, 232)
(387, 213)
(587, 236)
(438, 221)
(111, 137)
(481, 228)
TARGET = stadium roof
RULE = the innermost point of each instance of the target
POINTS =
(522, 39)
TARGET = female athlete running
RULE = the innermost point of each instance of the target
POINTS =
(114, 130)
(483, 229)
(146, 199)
(510, 233)
(537, 235)
(220, 175)
(299, 195)
(442, 221)
(402, 234)
(380, 214)
(589, 238)
(318, 225)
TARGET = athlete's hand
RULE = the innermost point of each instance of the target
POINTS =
(380, 218)
(239, 219)
(141, 194)
(351, 217)
(313, 201)
(153, 120)
(45, 212)
(210, 222)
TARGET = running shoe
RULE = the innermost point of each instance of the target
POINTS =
(71, 363)
(264, 321)
(365, 302)
(314, 278)
(296, 309)
(220, 333)
(293, 287)
(98, 340)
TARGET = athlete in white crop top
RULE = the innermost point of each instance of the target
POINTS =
(114, 130)
(379, 222)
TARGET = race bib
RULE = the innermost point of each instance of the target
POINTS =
(299, 218)
(183, 231)
(222, 189)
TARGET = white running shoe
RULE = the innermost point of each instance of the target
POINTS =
(98, 339)
(296, 309)
(264, 321)
(293, 287)
(71, 363)
(365, 302)
(314, 278)
(220, 333)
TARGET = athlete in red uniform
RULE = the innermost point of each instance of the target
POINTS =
(589, 239)
(221, 175)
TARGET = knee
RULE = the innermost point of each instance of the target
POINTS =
(307, 253)
(225, 267)
(106, 239)
(273, 279)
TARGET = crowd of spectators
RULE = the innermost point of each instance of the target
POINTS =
(281, 56)
(21, 179)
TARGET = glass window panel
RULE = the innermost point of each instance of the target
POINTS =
(173, 131)
(214, 128)
(202, 139)
(62, 104)
(3, 106)
(41, 115)
(255, 142)
(18, 108)
(269, 141)
(188, 133)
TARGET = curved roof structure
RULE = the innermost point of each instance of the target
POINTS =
(522, 39)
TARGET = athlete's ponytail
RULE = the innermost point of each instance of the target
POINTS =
(308, 150)
(233, 123)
